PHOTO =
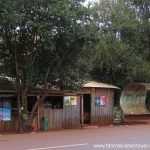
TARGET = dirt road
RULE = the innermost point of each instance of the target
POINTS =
(110, 137)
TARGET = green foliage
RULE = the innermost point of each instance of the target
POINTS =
(44, 33)
(122, 53)
(110, 40)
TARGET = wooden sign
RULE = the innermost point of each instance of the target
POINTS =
(70, 100)
(100, 101)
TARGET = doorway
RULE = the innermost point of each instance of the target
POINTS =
(87, 108)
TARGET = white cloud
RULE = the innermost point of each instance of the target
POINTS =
(88, 1)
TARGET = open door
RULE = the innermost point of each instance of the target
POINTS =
(87, 108)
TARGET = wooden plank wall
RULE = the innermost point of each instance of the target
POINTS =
(55, 117)
(68, 117)
(102, 115)
(9, 126)
(71, 116)
(5, 126)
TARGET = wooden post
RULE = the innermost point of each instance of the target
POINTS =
(81, 110)
(3, 126)
(38, 120)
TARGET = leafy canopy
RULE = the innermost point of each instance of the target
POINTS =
(44, 34)
(123, 50)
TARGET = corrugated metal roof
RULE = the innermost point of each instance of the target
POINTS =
(146, 85)
(99, 85)
(133, 99)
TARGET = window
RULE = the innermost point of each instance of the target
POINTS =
(31, 100)
(5, 102)
(14, 103)
(54, 102)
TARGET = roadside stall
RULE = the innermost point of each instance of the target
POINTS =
(60, 111)
(98, 103)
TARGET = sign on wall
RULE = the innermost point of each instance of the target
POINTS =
(6, 114)
(70, 100)
(100, 101)
(5, 109)
(1, 114)
(97, 101)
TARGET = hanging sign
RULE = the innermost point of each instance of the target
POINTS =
(70, 100)
(103, 100)
(73, 100)
(5, 109)
(97, 101)
(6, 114)
(100, 101)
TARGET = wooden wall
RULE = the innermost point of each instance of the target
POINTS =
(55, 118)
(5, 126)
(9, 126)
(68, 117)
(102, 115)
(12, 125)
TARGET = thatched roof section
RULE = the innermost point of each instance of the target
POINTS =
(145, 85)
(93, 84)
(7, 87)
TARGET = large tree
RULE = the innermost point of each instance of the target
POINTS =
(43, 42)
(122, 52)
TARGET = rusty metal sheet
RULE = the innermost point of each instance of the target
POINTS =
(132, 100)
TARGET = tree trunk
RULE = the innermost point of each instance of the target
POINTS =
(18, 91)
(35, 107)
(40, 99)
(19, 110)
(24, 101)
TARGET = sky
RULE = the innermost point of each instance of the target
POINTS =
(87, 1)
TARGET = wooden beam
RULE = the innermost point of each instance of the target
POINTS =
(81, 111)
